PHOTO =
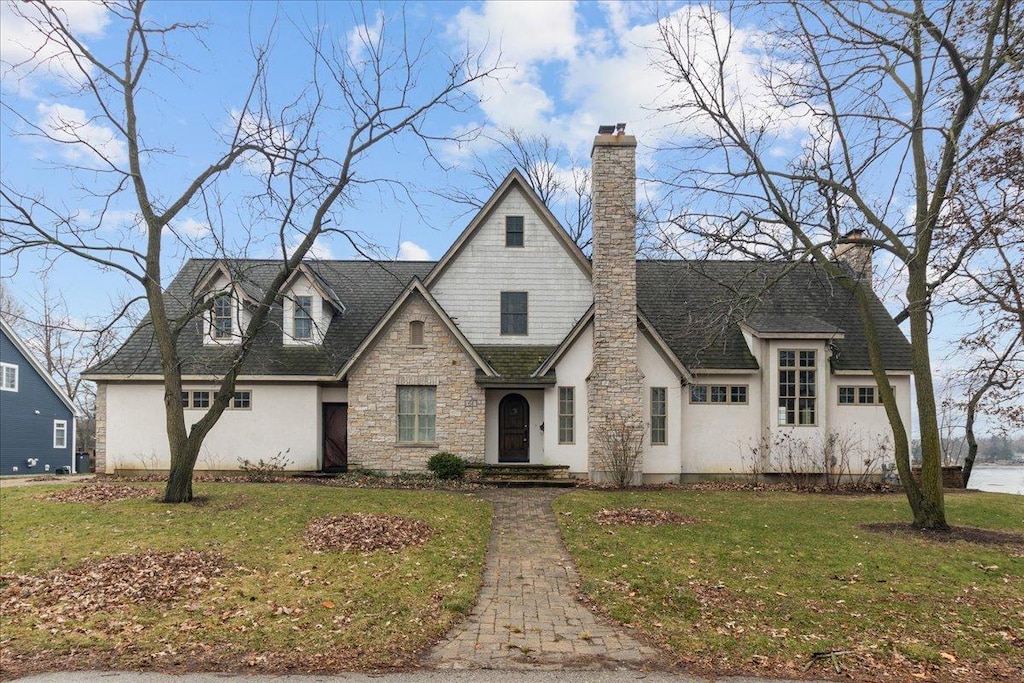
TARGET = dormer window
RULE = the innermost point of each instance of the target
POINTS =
(303, 318)
(513, 231)
(223, 314)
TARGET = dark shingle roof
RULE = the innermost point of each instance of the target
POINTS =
(696, 307)
(515, 364)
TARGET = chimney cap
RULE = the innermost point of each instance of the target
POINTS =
(605, 130)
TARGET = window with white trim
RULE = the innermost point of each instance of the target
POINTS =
(659, 415)
(223, 317)
(242, 400)
(416, 414)
(798, 387)
(718, 393)
(60, 433)
(566, 414)
(302, 317)
(859, 396)
(8, 377)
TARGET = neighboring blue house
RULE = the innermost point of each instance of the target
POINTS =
(37, 420)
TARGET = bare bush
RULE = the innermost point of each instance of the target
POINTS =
(621, 451)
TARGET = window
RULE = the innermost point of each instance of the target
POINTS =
(566, 414)
(658, 415)
(797, 387)
(200, 399)
(416, 414)
(859, 396)
(8, 377)
(513, 231)
(513, 312)
(302, 319)
(242, 400)
(416, 333)
(184, 399)
(718, 393)
(222, 316)
(60, 433)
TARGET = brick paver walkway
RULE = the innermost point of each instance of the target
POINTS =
(526, 616)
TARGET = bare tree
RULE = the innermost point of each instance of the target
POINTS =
(556, 176)
(886, 95)
(300, 154)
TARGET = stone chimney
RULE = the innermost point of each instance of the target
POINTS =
(857, 256)
(614, 385)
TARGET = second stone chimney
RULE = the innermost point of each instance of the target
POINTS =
(614, 386)
(856, 253)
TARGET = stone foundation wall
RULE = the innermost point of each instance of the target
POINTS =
(100, 458)
(373, 395)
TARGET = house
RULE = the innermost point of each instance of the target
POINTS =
(515, 347)
(37, 419)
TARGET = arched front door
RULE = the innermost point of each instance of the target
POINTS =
(513, 429)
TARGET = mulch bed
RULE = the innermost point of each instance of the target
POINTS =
(956, 533)
(365, 533)
(97, 586)
(638, 516)
(100, 492)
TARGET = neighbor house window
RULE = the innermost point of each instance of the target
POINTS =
(8, 377)
(566, 414)
(416, 414)
(513, 231)
(60, 433)
(797, 387)
(859, 396)
(416, 333)
(302, 318)
(513, 312)
(718, 393)
(222, 316)
(658, 415)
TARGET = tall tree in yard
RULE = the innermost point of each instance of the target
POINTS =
(884, 99)
(297, 153)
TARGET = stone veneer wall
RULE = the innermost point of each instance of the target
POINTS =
(101, 427)
(857, 256)
(373, 395)
(614, 387)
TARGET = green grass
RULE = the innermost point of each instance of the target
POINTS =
(767, 579)
(381, 607)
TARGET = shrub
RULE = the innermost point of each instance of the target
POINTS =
(264, 470)
(447, 466)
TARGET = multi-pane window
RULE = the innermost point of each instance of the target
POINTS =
(223, 308)
(513, 312)
(416, 414)
(798, 387)
(718, 393)
(416, 333)
(859, 396)
(60, 433)
(659, 414)
(303, 318)
(200, 399)
(184, 399)
(566, 414)
(8, 377)
(242, 400)
(513, 231)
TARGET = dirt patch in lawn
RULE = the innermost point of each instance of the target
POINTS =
(100, 492)
(638, 516)
(97, 586)
(957, 533)
(365, 533)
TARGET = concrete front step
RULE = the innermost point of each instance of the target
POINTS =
(525, 471)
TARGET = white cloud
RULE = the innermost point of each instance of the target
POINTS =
(410, 251)
(363, 35)
(78, 137)
(191, 228)
(27, 57)
(262, 133)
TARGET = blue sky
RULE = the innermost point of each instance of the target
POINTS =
(566, 68)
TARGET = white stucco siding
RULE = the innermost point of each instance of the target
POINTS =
(864, 429)
(718, 438)
(535, 398)
(559, 293)
(282, 418)
(571, 371)
(661, 461)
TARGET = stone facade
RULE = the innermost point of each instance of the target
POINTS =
(392, 362)
(614, 385)
(101, 428)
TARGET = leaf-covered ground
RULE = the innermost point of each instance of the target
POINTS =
(797, 585)
(228, 582)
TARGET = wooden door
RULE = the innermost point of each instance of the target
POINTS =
(513, 429)
(335, 421)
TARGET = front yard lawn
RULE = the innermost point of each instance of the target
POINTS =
(107, 584)
(752, 582)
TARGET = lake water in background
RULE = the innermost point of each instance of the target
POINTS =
(998, 479)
